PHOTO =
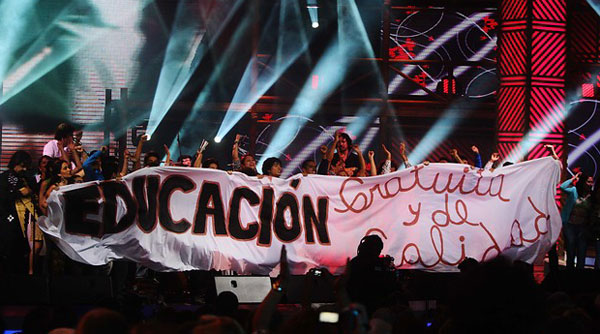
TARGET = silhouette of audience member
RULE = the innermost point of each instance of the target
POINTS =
(371, 279)
(210, 324)
(496, 297)
(102, 321)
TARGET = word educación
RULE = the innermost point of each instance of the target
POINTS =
(150, 202)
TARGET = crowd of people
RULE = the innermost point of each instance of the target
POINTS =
(493, 297)
(364, 301)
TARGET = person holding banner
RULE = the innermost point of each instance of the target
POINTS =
(272, 167)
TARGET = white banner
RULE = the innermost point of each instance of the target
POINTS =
(429, 217)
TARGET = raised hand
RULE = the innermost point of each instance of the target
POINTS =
(388, 154)
(475, 149)
(284, 268)
(371, 154)
(337, 135)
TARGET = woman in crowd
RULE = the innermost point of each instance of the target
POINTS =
(17, 215)
(59, 175)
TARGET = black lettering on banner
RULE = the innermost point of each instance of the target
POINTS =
(172, 183)
(235, 227)
(311, 219)
(285, 234)
(112, 190)
(78, 204)
(210, 192)
(266, 217)
(145, 189)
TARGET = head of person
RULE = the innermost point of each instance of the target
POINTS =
(64, 133)
(65, 169)
(43, 163)
(76, 179)
(19, 162)
(370, 246)
(309, 167)
(77, 135)
(151, 159)
(110, 167)
(185, 161)
(216, 324)
(102, 320)
(248, 161)
(585, 185)
(58, 170)
(344, 143)
(249, 171)
(272, 167)
(590, 182)
(210, 163)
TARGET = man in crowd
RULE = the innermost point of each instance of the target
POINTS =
(272, 167)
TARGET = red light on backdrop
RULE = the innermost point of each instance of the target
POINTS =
(449, 86)
(587, 90)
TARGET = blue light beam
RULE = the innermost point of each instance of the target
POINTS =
(291, 43)
(332, 67)
(185, 50)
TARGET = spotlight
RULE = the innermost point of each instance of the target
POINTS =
(217, 139)
(315, 25)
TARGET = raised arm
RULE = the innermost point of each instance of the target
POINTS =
(198, 161)
(494, 158)
(387, 164)
(362, 168)
(456, 157)
(76, 158)
(266, 309)
(168, 153)
(323, 168)
(552, 151)
(373, 168)
(478, 162)
(235, 157)
(199, 154)
(403, 155)
(125, 163)
(331, 149)
(137, 164)
(566, 186)
(63, 154)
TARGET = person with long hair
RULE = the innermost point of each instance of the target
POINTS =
(59, 173)
(17, 215)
